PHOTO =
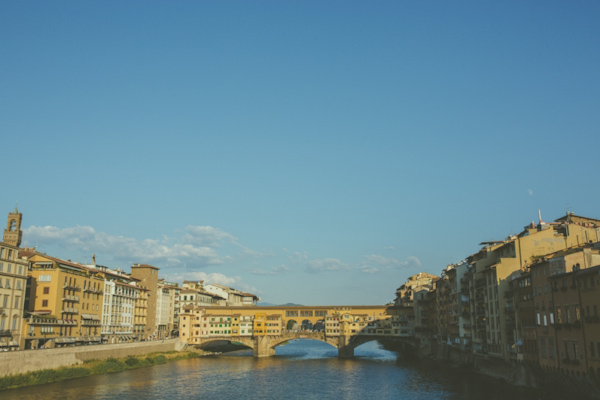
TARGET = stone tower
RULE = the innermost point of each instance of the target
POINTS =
(148, 276)
(13, 233)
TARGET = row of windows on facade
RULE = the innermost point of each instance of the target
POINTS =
(587, 312)
(8, 284)
(8, 254)
(3, 322)
(9, 268)
(6, 301)
(570, 349)
(294, 313)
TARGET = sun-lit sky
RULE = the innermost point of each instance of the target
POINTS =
(315, 152)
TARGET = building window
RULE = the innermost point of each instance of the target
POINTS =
(44, 303)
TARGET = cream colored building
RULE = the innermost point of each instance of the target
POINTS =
(13, 279)
(165, 309)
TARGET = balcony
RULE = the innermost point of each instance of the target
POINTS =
(5, 332)
(70, 286)
(70, 310)
(71, 298)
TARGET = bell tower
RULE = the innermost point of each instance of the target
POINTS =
(12, 233)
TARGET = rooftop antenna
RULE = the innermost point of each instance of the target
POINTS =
(540, 216)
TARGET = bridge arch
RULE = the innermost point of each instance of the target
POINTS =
(347, 348)
(291, 325)
(306, 325)
(321, 338)
(243, 341)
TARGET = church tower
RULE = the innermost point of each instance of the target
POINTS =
(13, 233)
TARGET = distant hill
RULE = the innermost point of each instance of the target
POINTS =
(263, 304)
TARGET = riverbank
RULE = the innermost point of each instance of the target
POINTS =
(20, 362)
(93, 367)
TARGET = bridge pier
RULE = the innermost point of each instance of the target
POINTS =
(345, 349)
(263, 347)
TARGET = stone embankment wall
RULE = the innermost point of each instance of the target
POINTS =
(18, 362)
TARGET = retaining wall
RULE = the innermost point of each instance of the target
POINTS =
(18, 362)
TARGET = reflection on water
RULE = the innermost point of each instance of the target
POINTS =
(302, 369)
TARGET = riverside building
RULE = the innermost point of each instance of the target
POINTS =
(65, 302)
(13, 279)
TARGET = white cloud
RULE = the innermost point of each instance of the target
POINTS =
(198, 248)
(298, 258)
(369, 270)
(212, 277)
(325, 265)
(411, 261)
(207, 236)
(530, 192)
(372, 262)
(282, 269)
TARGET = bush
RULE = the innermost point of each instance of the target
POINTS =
(109, 365)
(160, 359)
(132, 361)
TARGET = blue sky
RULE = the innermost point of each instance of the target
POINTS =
(309, 152)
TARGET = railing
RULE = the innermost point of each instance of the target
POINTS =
(71, 298)
(70, 286)
(70, 310)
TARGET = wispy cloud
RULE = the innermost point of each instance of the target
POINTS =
(282, 269)
(377, 263)
(325, 265)
(199, 247)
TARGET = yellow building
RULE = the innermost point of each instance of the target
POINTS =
(64, 303)
(260, 322)
(140, 314)
(13, 278)
(493, 265)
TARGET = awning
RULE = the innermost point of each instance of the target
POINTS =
(3, 344)
(13, 344)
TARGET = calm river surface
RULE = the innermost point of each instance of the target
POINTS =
(303, 369)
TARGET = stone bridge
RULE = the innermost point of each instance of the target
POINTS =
(264, 346)
(264, 328)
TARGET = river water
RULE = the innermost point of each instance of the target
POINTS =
(302, 369)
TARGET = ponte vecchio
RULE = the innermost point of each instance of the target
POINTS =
(264, 328)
